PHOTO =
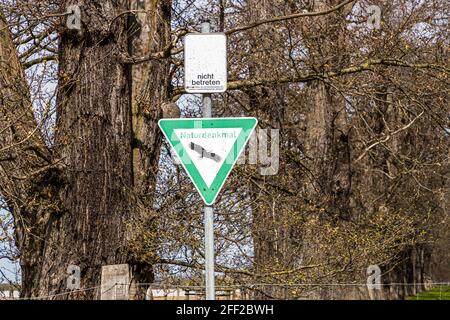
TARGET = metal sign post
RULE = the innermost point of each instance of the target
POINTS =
(209, 211)
(207, 148)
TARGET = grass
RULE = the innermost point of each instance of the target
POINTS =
(438, 293)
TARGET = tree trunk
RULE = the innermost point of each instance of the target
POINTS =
(94, 140)
(270, 233)
(326, 143)
(327, 149)
(150, 89)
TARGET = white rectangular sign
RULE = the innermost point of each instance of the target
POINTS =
(205, 62)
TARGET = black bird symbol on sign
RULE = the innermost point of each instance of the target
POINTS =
(203, 153)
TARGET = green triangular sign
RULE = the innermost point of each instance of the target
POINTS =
(208, 148)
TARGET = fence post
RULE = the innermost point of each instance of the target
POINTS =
(115, 282)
